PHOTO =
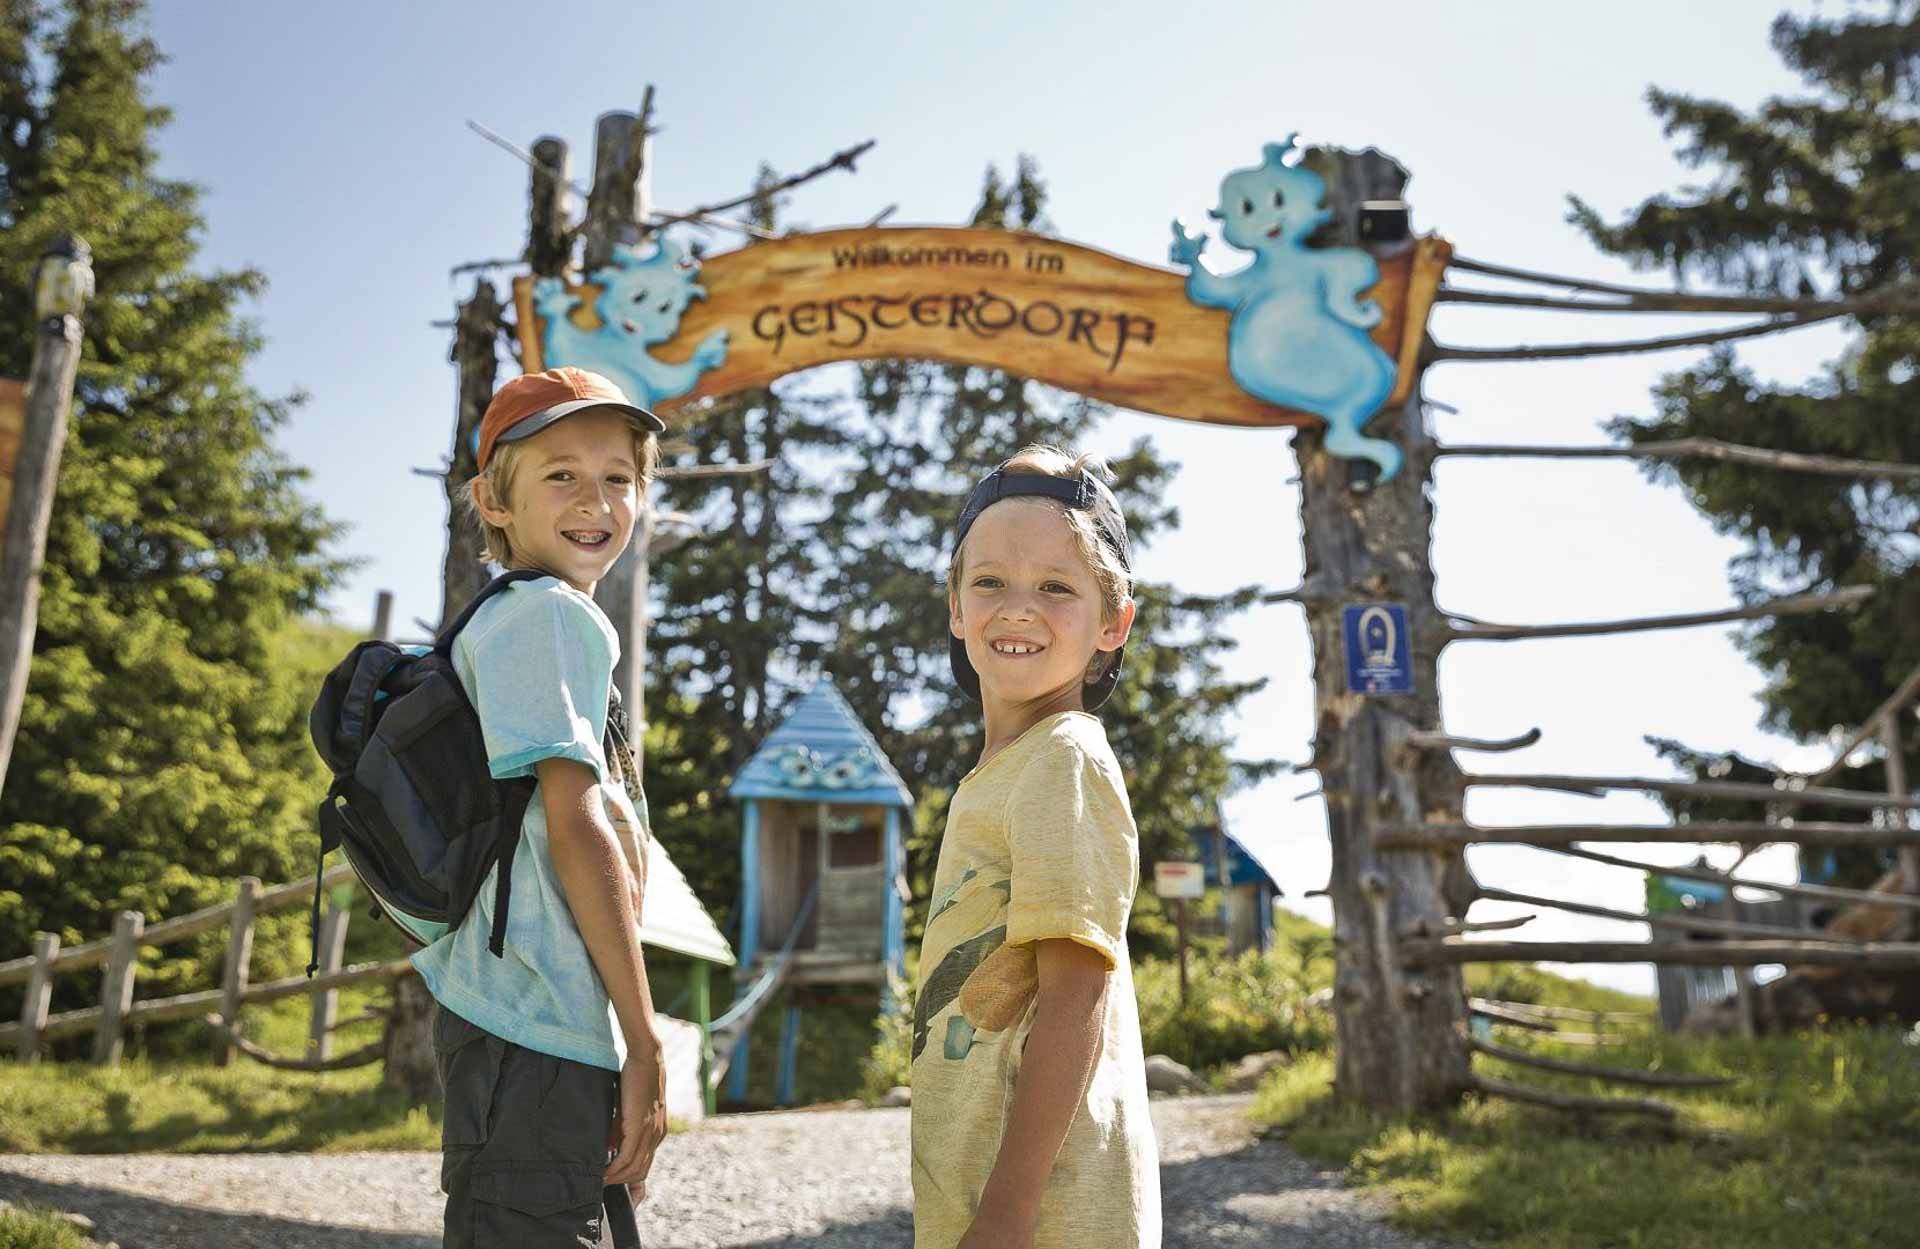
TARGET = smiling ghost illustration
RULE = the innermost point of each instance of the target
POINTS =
(642, 299)
(1298, 337)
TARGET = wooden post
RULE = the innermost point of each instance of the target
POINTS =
(476, 330)
(408, 1044)
(333, 944)
(622, 169)
(701, 995)
(1742, 976)
(1180, 925)
(239, 954)
(549, 201)
(33, 1010)
(620, 202)
(631, 672)
(1897, 788)
(29, 511)
(1401, 1029)
(116, 991)
(789, 1056)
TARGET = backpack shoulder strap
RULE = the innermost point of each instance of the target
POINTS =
(443, 645)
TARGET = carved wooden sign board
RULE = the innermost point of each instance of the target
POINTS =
(13, 413)
(1300, 336)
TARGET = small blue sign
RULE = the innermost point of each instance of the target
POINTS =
(1379, 653)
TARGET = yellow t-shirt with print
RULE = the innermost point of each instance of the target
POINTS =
(1040, 844)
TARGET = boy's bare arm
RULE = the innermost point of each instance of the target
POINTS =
(594, 875)
(599, 887)
(633, 846)
(1061, 1051)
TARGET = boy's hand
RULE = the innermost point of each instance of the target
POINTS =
(640, 1116)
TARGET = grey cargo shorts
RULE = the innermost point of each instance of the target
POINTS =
(523, 1143)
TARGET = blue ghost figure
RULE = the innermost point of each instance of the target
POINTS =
(1299, 332)
(642, 299)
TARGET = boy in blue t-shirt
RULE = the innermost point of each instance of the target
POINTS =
(551, 1055)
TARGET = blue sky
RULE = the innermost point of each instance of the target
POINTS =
(331, 142)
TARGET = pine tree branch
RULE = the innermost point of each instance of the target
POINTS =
(1793, 604)
(1704, 448)
(843, 159)
(1566, 351)
(693, 471)
(1908, 690)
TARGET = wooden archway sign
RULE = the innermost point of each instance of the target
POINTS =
(1058, 312)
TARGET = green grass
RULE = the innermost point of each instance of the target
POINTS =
(1817, 1145)
(31, 1227)
(187, 1105)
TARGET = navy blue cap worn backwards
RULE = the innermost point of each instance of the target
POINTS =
(1083, 492)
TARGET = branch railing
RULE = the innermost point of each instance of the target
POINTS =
(1676, 937)
(119, 955)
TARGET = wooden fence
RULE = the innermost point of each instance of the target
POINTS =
(1737, 940)
(119, 955)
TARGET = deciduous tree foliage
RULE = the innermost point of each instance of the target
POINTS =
(162, 750)
(1809, 194)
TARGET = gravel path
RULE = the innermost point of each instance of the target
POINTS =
(834, 1179)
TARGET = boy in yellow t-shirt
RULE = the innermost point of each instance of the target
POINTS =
(1030, 1124)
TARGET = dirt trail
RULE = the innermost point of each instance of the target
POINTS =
(804, 1180)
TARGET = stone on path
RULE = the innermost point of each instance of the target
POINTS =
(1167, 1076)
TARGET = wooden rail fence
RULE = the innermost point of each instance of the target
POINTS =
(1678, 939)
(119, 955)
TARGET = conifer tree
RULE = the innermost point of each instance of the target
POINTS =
(929, 431)
(162, 750)
(731, 613)
(834, 563)
(1812, 194)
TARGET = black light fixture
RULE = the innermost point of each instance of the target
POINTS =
(1384, 221)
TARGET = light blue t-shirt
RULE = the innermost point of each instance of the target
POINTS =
(536, 661)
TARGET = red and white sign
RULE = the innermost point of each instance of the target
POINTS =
(1179, 880)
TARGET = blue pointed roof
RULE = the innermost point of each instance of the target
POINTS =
(822, 753)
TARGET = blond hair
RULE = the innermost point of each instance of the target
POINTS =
(499, 474)
(1111, 577)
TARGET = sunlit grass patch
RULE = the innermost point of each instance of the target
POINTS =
(1816, 1144)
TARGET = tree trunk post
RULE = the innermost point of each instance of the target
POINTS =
(700, 998)
(1401, 1029)
(233, 983)
(1897, 788)
(33, 1010)
(549, 201)
(326, 1002)
(476, 329)
(1180, 927)
(382, 616)
(116, 992)
(408, 1045)
(36, 473)
(622, 169)
(620, 203)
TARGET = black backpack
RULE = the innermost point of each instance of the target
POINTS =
(413, 804)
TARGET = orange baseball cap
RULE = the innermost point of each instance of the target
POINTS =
(531, 402)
